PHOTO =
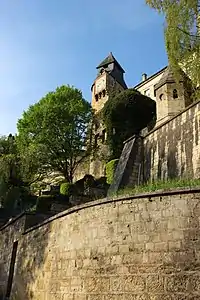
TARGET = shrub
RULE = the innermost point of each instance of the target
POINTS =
(44, 203)
(110, 170)
(66, 188)
(126, 113)
(89, 181)
(102, 181)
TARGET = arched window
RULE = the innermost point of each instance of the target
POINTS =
(161, 97)
(96, 97)
(100, 95)
(104, 93)
(175, 94)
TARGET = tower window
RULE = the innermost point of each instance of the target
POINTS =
(100, 95)
(161, 97)
(96, 97)
(175, 94)
(104, 93)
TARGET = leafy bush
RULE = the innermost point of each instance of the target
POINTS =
(110, 170)
(101, 182)
(44, 203)
(124, 115)
(66, 188)
(89, 181)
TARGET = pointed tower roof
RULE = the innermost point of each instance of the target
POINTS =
(108, 60)
(167, 77)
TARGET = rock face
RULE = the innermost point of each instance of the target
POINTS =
(147, 247)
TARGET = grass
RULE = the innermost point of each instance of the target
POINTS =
(159, 185)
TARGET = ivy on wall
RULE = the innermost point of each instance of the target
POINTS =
(124, 115)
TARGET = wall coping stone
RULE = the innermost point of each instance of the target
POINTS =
(149, 195)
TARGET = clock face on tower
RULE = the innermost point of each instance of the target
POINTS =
(100, 85)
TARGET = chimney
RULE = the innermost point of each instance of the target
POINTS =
(144, 77)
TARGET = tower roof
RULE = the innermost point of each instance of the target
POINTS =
(167, 77)
(108, 60)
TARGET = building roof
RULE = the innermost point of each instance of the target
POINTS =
(108, 60)
(140, 84)
(167, 77)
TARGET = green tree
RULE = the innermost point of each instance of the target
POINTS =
(57, 127)
(182, 36)
(124, 115)
(14, 183)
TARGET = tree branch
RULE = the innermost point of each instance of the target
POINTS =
(192, 35)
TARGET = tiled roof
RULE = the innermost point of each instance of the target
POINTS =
(108, 60)
(167, 77)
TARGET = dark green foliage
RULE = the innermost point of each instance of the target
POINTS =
(44, 203)
(82, 184)
(16, 176)
(66, 188)
(124, 115)
(101, 182)
(110, 170)
(89, 181)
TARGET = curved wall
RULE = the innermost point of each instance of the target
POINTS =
(140, 248)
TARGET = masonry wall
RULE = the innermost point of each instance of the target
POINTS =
(173, 149)
(8, 236)
(136, 248)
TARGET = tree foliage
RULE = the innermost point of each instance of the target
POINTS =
(57, 128)
(16, 175)
(66, 188)
(124, 115)
(110, 170)
(182, 36)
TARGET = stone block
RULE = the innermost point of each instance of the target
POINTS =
(176, 283)
(134, 283)
(114, 297)
(155, 284)
(96, 284)
(116, 284)
(95, 297)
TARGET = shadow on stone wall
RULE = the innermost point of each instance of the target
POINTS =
(30, 263)
(172, 169)
(8, 235)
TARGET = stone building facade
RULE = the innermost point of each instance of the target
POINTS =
(171, 98)
(110, 78)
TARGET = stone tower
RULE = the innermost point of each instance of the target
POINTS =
(171, 98)
(110, 78)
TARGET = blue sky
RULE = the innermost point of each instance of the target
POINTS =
(47, 43)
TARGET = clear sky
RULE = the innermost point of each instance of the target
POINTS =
(47, 43)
